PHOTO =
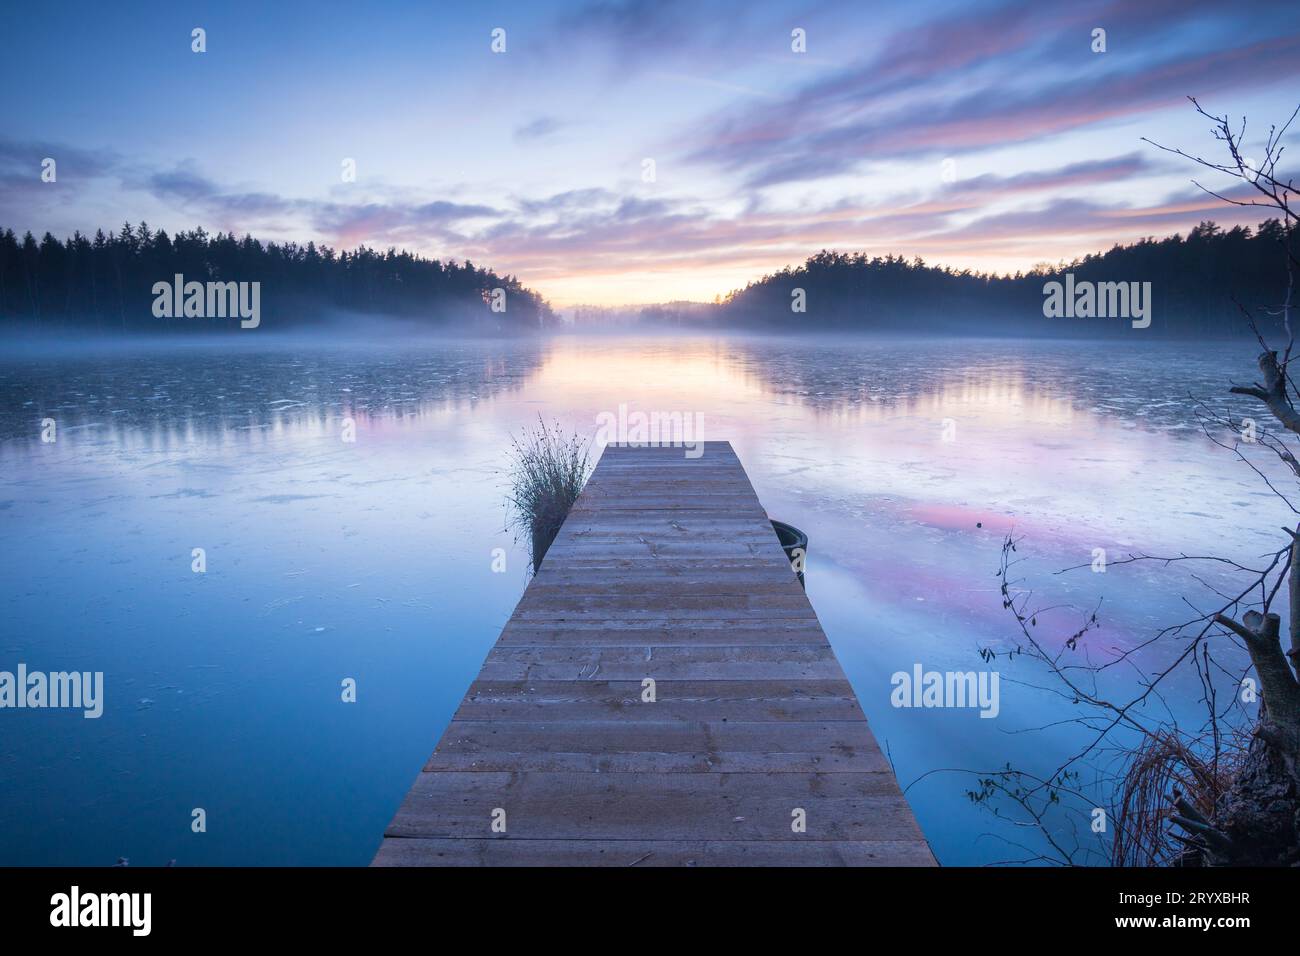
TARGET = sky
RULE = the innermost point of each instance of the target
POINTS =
(639, 151)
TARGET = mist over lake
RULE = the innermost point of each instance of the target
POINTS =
(905, 461)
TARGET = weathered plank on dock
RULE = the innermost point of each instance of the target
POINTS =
(666, 568)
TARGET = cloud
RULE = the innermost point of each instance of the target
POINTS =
(24, 158)
(609, 238)
(985, 188)
(632, 29)
(539, 128)
(395, 223)
(181, 183)
(635, 36)
(341, 222)
(980, 81)
(26, 198)
(599, 232)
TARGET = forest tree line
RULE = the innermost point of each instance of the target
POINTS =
(1197, 282)
(105, 283)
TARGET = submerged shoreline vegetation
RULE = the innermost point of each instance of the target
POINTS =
(547, 471)
(105, 284)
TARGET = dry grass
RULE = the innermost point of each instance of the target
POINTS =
(547, 471)
(1165, 764)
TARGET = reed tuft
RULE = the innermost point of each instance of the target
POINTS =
(547, 471)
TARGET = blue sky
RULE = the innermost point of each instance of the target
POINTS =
(531, 160)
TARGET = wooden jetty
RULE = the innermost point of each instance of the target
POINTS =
(668, 570)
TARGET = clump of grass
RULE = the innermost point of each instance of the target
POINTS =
(1166, 764)
(547, 471)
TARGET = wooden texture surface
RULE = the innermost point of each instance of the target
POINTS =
(666, 569)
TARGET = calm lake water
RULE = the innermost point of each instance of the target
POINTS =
(373, 559)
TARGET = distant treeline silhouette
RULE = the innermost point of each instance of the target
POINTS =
(1196, 281)
(105, 283)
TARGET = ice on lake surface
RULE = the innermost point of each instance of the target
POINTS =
(372, 559)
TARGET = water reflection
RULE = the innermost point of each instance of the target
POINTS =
(372, 559)
(188, 394)
(178, 396)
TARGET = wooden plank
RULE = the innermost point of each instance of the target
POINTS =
(694, 663)
(666, 568)
(682, 634)
(670, 806)
(670, 601)
(675, 700)
(656, 585)
(572, 805)
(650, 853)
(664, 616)
(680, 746)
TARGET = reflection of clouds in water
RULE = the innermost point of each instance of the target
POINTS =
(384, 544)
(1149, 384)
(1075, 440)
(186, 393)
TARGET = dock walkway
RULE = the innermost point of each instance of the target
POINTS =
(668, 570)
